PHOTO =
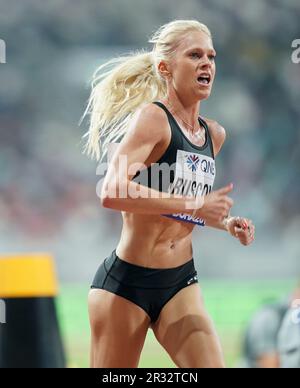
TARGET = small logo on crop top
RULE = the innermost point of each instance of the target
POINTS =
(196, 163)
(193, 162)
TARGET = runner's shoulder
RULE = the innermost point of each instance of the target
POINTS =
(217, 133)
(151, 121)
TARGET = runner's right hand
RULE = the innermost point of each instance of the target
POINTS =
(216, 205)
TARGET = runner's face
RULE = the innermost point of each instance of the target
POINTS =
(193, 66)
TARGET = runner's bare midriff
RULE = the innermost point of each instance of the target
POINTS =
(155, 241)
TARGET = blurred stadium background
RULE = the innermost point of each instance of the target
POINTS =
(48, 196)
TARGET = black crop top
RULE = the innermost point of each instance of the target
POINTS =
(184, 169)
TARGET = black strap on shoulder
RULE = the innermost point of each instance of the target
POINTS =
(204, 123)
(168, 113)
(162, 106)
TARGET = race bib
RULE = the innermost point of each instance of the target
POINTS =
(194, 176)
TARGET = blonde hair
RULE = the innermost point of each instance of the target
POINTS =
(121, 85)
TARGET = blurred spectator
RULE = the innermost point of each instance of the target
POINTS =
(289, 336)
(260, 344)
(263, 346)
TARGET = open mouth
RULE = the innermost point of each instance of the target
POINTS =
(204, 79)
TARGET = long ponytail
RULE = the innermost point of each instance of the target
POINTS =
(116, 94)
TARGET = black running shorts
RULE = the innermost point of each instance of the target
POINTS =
(148, 288)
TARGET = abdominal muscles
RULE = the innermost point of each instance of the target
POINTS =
(155, 241)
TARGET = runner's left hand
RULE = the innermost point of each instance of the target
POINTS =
(243, 229)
